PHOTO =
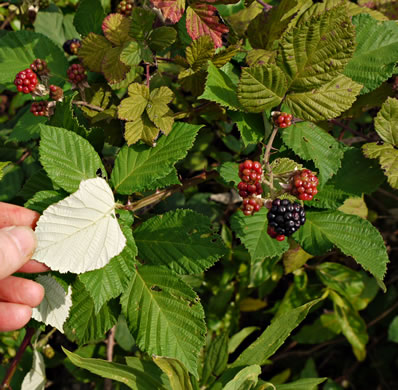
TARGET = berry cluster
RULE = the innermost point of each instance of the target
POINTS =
(284, 218)
(76, 73)
(56, 93)
(71, 46)
(304, 184)
(26, 81)
(125, 7)
(250, 172)
(283, 119)
(39, 108)
(251, 205)
(39, 66)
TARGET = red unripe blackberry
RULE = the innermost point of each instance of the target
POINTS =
(125, 7)
(76, 73)
(56, 93)
(284, 218)
(304, 184)
(39, 66)
(283, 119)
(26, 81)
(250, 172)
(251, 205)
(39, 108)
(71, 46)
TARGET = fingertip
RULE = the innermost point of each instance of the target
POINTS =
(14, 316)
(37, 295)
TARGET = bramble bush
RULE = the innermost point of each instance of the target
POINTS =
(217, 187)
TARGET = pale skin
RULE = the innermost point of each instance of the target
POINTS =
(17, 243)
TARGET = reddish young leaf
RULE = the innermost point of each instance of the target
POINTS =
(171, 9)
(202, 20)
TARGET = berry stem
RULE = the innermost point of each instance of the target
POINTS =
(267, 155)
(85, 104)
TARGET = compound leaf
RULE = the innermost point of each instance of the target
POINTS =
(138, 166)
(261, 87)
(114, 70)
(165, 315)
(80, 233)
(312, 143)
(67, 158)
(376, 52)
(353, 235)
(202, 19)
(180, 240)
(158, 102)
(252, 231)
(141, 128)
(171, 9)
(54, 309)
(131, 108)
(116, 29)
(92, 51)
(161, 38)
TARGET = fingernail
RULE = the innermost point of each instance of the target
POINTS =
(24, 239)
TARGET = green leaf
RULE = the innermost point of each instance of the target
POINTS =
(261, 87)
(329, 197)
(11, 182)
(388, 159)
(357, 175)
(352, 325)
(199, 52)
(67, 158)
(158, 102)
(83, 324)
(252, 231)
(176, 372)
(141, 23)
(229, 172)
(92, 51)
(316, 52)
(54, 309)
(326, 101)
(216, 358)
(386, 121)
(281, 166)
(19, 49)
(302, 384)
(131, 54)
(161, 38)
(310, 142)
(131, 108)
(220, 88)
(89, 16)
(165, 315)
(393, 330)
(137, 167)
(114, 70)
(180, 240)
(353, 235)
(250, 126)
(43, 199)
(39, 181)
(374, 59)
(27, 127)
(80, 233)
(244, 379)
(3, 164)
(138, 375)
(51, 23)
(35, 379)
(110, 281)
(274, 336)
(141, 128)
(238, 338)
(116, 29)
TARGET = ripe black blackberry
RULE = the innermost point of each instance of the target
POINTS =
(285, 217)
(71, 46)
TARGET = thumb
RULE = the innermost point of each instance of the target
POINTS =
(17, 244)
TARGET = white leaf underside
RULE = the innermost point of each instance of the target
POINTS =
(54, 309)
(80, 233)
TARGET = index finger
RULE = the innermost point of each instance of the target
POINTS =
(11, 215)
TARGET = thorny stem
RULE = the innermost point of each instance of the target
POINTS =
(109, 355)
(7, 21)
(266, 6)
(85, 104)
(148, 76)
(24, 157)
(348, 128)
(5, 385)
(267, 155)
(163, 194)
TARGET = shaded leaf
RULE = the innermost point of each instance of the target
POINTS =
(116, 29)
(171, 9)
(176, 372)
(386, 121)
(89, 16)
(92, 51)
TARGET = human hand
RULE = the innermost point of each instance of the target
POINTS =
(17, 244)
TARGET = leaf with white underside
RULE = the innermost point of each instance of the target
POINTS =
(35, 379)
(80, 233)
(252, 231)
(326, 101)
(180, 240)
(165, 315)
(310, 142)
(353, 235)
(54, 309)
(67, 157)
